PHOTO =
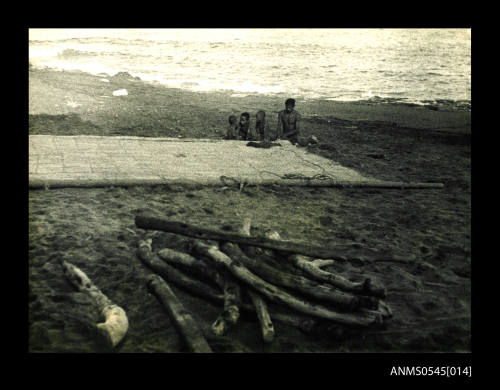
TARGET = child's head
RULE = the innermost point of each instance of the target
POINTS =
(232, 119)
(244, 117)
(289, 104)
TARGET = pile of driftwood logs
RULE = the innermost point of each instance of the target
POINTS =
(245, 267)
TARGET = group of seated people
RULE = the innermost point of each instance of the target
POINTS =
(288, 126)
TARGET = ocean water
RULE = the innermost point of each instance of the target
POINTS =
(400, 65)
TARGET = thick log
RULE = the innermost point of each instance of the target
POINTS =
(266, 325)
(115, 324)
(181, 317)
(313, 268)
(297, 283)
(304, 324)
(232, 301)
(155, 223)
(175, 276)
(196, 266)
(275, 294)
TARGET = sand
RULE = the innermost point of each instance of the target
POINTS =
(430, 294)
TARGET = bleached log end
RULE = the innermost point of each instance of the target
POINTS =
(322, 263)
(220, 327)
(115, 327)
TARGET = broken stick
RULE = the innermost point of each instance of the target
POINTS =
(181, 317)
(275, 294)
(313, 268)
(115, 326)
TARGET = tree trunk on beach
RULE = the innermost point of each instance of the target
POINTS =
(266, 325)
(232, 301)
(181, 317)
(154, 223)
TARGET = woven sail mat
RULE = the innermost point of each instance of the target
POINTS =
(94, 161)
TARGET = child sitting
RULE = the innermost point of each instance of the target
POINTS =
(261, 130)
(232, 128)
(244, 126)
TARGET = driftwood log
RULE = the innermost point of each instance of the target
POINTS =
(275, 294)
(181, 317)
(266, 325)
(115, 326)
(155, 223)
(175, 276)
(232, 301)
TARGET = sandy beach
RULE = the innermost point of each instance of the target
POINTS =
(429, 294)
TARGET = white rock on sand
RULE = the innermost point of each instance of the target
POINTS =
(120, 92)
(104, 80)
(73, 104)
